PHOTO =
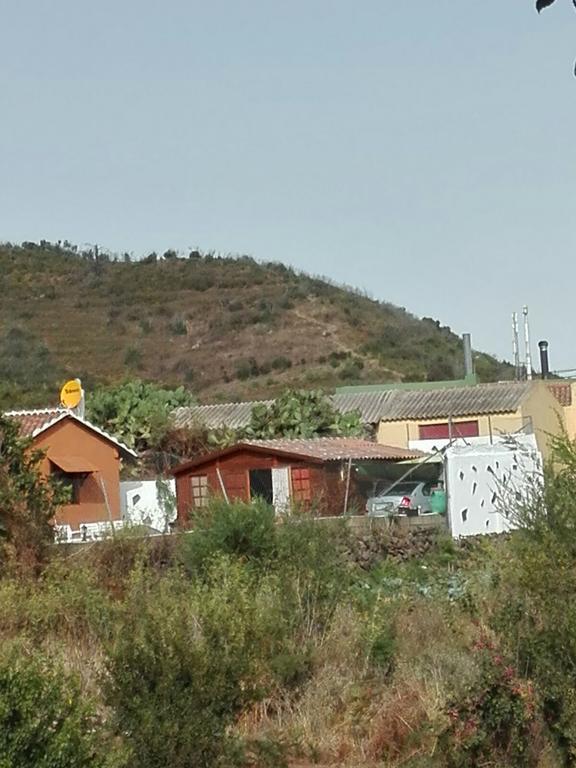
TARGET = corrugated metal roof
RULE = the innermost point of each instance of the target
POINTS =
(482, 399)
(233, 415)
(386, 405)
(237, 415)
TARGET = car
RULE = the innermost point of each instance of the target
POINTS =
(405, 498)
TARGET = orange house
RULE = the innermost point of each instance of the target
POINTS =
(83, 457)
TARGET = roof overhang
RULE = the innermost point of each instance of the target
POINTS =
(73, 465)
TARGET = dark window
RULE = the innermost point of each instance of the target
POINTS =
(442, 431)
(261, 484)
(72, 482)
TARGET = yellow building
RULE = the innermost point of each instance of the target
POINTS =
(565, 392)
(435, 416)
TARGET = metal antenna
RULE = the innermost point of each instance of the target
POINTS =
(527, 342)
(515, 346)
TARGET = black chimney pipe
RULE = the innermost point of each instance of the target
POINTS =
(544, 364)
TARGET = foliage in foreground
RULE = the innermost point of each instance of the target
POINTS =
(44, 719)
(249, 642)
(28, 502)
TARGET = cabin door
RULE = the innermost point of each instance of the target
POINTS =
(281, 490)
(261, 484)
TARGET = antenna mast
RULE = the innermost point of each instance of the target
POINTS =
(527, 342)
(515, 346)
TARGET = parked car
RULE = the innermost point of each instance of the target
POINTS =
(406, 498)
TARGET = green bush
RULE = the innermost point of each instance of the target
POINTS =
(244, 530)
(44, 719)
(187, 659)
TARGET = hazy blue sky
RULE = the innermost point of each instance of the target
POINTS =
(423, 151)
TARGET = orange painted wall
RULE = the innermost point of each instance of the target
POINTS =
(69, 438)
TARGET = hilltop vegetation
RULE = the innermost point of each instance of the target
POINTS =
(225, 327)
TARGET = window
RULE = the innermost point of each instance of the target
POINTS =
(72, 482)
(301, 490)
(444, 430)
(199, 485)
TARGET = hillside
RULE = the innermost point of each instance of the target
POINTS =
(228, 328)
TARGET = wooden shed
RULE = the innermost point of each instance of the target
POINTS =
(83, 457)
(283, 472)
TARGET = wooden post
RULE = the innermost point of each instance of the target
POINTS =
(222, 486)
(103, 484)
(349, 470)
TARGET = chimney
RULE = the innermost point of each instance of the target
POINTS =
(544, 364)
(468, 363)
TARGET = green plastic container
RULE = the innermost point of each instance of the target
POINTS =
(438, 501)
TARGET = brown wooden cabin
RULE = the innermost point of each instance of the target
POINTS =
(316, 472)
(83, 457)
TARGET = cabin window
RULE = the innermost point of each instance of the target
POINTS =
(199, 490)
(444, 430)
(72, 482)
(301, 489)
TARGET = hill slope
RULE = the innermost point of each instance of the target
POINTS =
(226, 327)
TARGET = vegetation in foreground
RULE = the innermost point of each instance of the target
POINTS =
(250, 642)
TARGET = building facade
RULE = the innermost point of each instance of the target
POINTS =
(82, 457)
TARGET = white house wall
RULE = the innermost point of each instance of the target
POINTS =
(483, 483)
(140, 504)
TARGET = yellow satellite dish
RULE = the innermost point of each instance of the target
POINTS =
(71, 393)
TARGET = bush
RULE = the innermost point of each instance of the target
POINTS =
(44, 720)
(186, 660)
(244, 530)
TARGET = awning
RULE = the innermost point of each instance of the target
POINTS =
(73, 464)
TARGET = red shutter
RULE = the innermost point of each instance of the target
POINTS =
(442, 431)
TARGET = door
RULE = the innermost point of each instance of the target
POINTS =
(281, 490)
(261, 485)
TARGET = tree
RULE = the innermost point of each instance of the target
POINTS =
(28, 501)
(302, 414)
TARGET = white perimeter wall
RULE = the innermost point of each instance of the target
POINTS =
(140, 505)
(483, 483)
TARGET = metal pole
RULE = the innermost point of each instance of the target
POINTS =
(468, 361)
(515, 346)
(527, 343)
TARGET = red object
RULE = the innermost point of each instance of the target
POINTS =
(442, 431)
(405, 503)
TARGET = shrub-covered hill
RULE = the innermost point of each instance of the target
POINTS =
(227, 327)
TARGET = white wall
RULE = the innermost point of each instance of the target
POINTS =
(483, 483)
(140, 504)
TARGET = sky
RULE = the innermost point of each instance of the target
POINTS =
(424, 152)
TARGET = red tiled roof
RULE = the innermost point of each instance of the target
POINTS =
(33, 422)
(336, 448)
(562, 391)
(317, 450)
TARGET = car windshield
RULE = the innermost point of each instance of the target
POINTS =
(402, 489)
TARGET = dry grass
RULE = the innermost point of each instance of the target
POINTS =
(349, 715)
